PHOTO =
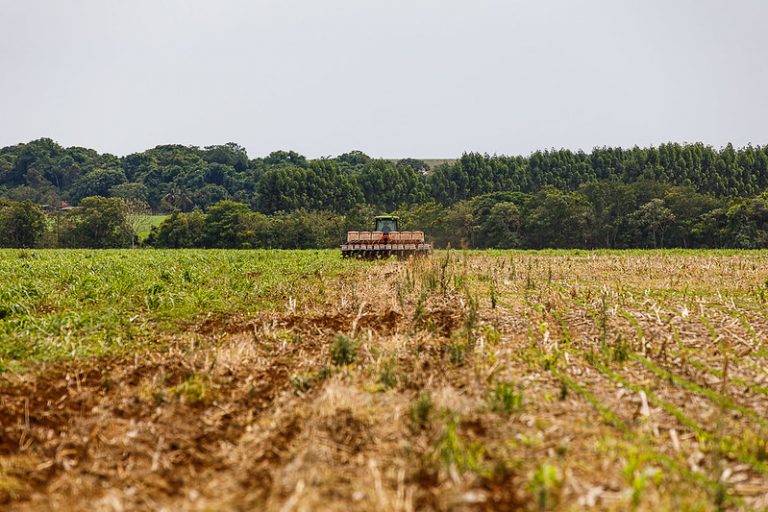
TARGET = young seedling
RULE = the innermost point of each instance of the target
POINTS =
(388, 374)
(343, 350)
(545, 484)
(421, 411)
(455, 452)
(505, 398)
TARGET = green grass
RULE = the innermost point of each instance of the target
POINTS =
(74, 303)
(145, 223)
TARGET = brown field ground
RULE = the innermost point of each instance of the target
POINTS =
(477, 381)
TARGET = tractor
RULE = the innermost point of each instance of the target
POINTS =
(384, 241)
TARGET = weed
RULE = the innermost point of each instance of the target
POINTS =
(471, 316)
(545, 485)
(419, 310)
(529, 283)
(389, 375)
(454, 451)
(195, 390)
(491, 335)
(603, 319)
(638, 478)
(591, 357)
(343, 350)
(456, 352)
(306, 381)
(421, 411)
(444, 272)
(620, 349)
(505, 398)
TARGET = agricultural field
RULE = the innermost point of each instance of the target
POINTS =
(143, 224)
(298, 381)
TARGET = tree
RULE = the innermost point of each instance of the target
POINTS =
(138, 216)
(612, 203)
(387, 186)
(688, 207)
(230, 154)
(130, 192)
(178, 198)
(98, 223)
(285, 158)
(97, 183)
(416, 165)
(209, 195)
(179, 231)
(301, 229)
(747, 223)
(228, 225)
(656, 218)
(502, 227)
(353, 160)
(22, 224)
(321, 186)
(558, 220)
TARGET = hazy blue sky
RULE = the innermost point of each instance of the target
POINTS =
(393, 78)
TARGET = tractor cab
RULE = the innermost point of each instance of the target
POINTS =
(386, 223)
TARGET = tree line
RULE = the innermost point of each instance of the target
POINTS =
(184, 178)
(674, 195)
(598, 215)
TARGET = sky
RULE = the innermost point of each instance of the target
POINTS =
(392, 78)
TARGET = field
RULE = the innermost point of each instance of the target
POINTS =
(295, 380)
(143, 224)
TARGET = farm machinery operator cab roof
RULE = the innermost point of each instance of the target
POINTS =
(386, 223)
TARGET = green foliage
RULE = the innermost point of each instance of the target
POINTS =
(672, 195)
(454, 451)
(638, 477)
(97, 183)
(387, 186)
(388, 374)
(343, 350)
(545, 484)
(558, 219)
(195, 390)
(233, 225)
(98, 223)
(228, 225)
(655, 219)
(457, 350)
(421, 411)
(319, 186)
(501, 229)
(180, 230)
(88, 303)
(303, 383)
(21, 224)
(505, 398)
(621, 349)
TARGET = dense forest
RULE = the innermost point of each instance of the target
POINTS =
(674, 195)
